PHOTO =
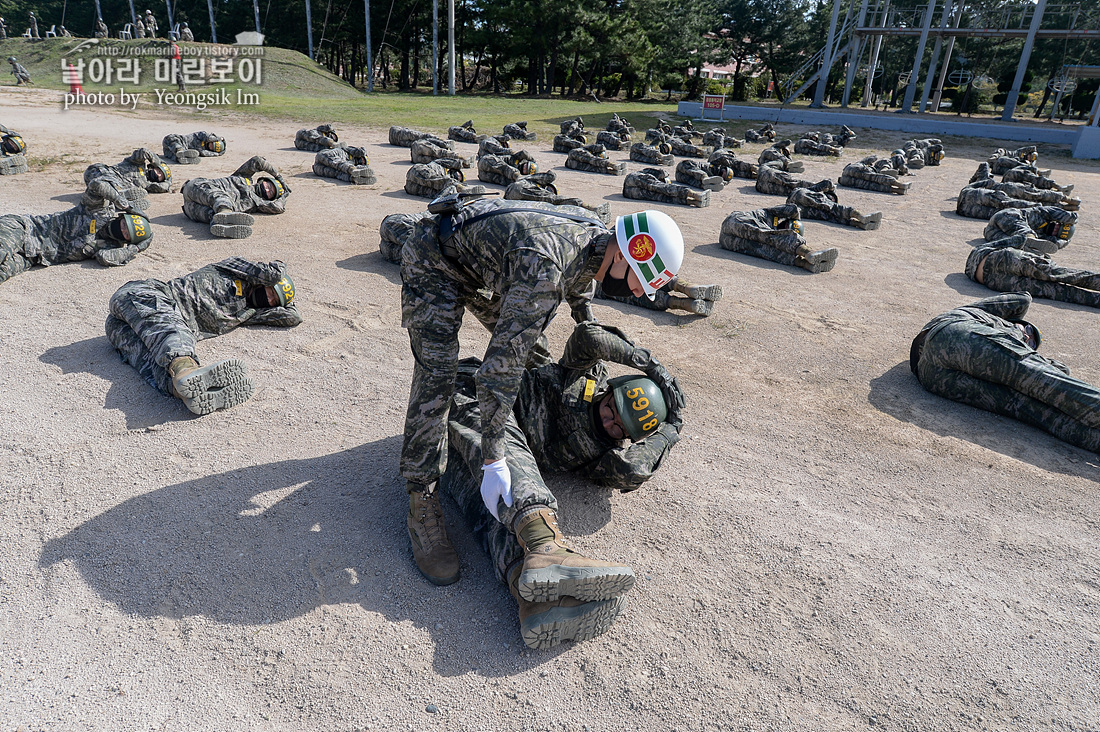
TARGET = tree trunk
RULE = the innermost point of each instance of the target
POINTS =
(1043, 103)
(573, 72)
(416, 59)
(403, 84)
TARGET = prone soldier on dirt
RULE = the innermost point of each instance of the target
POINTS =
(322, 137)
(349, 164)
(227, 204)
(593, 159)
(654, 184)
(776, 234)
(187, 149)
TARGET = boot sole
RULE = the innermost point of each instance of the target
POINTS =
(704, 292)
(820, 262)
(218, 386)
(550, 584)
(232, 218)
(231, 231)
(579, 623)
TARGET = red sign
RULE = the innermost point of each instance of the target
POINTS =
(714, 101)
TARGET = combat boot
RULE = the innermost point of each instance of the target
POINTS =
(815, 262)
(900, 188)
(1071, 204)
(551, 568)
(870, 222)
(695, 307)
(603, 212)
(713, 183)
(1066, 190)
(433, 553)
(1042, 246)
(698, 199)
(698, 292)
(206, 389)
(546, 624)
(795, 166)
(187, 157)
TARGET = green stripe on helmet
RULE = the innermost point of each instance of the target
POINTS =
(644, 267)
(657, 262)
(628, 226)
(643, 223)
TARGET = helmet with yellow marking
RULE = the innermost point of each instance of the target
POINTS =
(640, 404)
(214, 146)
(137, 226)
(284, 290)
(13, 144)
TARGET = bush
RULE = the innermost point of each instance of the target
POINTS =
(714, 86)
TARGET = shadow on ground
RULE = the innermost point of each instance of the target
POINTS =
(898, 393)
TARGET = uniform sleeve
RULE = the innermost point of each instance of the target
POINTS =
(591, 342)
(626, 468)
(266, 273)
(1007, 305)
(529, 305)
(118, 256)
(287, 317)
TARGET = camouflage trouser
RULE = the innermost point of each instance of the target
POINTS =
(427, 180)
(435, 293)
(975, 210)
(640, 153)
(1029, 193)
(991, 371)
(1013, 270)
(812, 207)
(405, 137)
(805, 146)
(735, 243)
(522, 190)
(660, 302)
(564, 144)
(1023, 175)
(878, 182)
(518, 133)
(777, 182)
(462, 478)
(610, 140)
(149, 331)
(691, 176)
(13, 232)
(582, 160)
(174, 144)
(395, 230)
(13, 164)
(662, 192)
(686, 149)
(425, 151)
(326, 172)
(494, 169)
(461, 134)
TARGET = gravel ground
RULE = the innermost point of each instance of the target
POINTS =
(829, 547)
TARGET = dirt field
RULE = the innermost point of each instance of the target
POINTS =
(828, 548)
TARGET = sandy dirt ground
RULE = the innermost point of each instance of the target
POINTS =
(828, 548)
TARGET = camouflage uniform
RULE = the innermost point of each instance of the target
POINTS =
(660, 133)
(981, 203)
(186, 34)
(67, 236)
(923, 152)
(540, 187)
(776, 182)
(753, 233)
(430, 179)
(427, 149)
(724, 158)
(976, 355)
(809, 144)
(340, 163)
(1002, 160)
(22, 76)
(3, 30)
(564, 143)
(572, 127)
(316, 139)
(501, 169)
(1021, 224)
(686, 130)
(404, 136)
(139, 29)
(619, 124)
(674, 295)
(1025, 192)
(640, 152)
(593, 159)
(864, 175)
(818, 206)
(101, 30)
(779, 156)
(463, 133)
(612, 140)
(151, 24)
(1006, 267)
(191, 146)
(205, 197)
(698, 174)
(551, 430)
(764, 134)
(717, 139)
(494, 146)
(128, 177)
(899, 162)
(518, 131)
(12, 164)
(511, 271)
(1032, 176)
(151, 323)
(686, 149)
(653, 184)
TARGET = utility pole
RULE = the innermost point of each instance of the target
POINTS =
(451, 48)
(255, 11)
(370, 59)
(213, 28)
(309, 28)
(435, 47)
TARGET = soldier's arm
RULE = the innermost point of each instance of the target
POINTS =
(103, 190)
(118, 256)
(626, 468)
(267, 273)
(1007, 305)
(142, 156)
(287, 317)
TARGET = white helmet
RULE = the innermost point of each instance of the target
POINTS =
(653, 245)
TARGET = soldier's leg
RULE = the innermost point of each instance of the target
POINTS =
(151, 313)
(395, 230)
(13, 165)
(12, 261)
(324, 171)
(175, 148)
(696, 292)
(134, 352)
(741, 245)
(660, 301)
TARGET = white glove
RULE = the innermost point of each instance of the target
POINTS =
(496, 483)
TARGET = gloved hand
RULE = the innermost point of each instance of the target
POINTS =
(496, 484)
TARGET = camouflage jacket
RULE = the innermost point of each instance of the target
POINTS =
(533, 262)
(316, 139)
(195, 140)
(1026, 221)
(236, 191)
(132, 171)
(70, 236)
(556, 408)
(340, 158)
(213, 299)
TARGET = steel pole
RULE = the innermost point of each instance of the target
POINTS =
(866, 101)
(370, 59)
(133, 16)
(171, 23)
(435, 47)
(853, 63)
(826, 60)
(947, 59)
(255, 12)
(309, 29)
(451, 47)
(935, 58)
(213, 28)
(1021, 69)
(926, 27)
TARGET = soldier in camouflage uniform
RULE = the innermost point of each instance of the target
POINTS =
(984, 354)
(427, 149)
(430, 179)
(764, 134)
(139, 29)
(686, 130)
(405, 136)
(349, 164)
(138, 174)
(1032, 176)
(227, 204)
(810, 144)
(187, 149)
(497, 145)
(676, 295)
(654, 184)
(1050, 223)
(660, 133)
(103, 225)
(322, 137)
(518, 131)
(1002, 160)
(718, 139)
(1022, 191)
(726, 159)
(564, 419)
(565, 144)
(619, 124)
(863, 174)
(540, 187)
(511, 267)
(613, 140)
(505, 169)
(3, 30)
(707, 176)
(919, 153)
(779, 156)
(981, 203)
(464, 132)
(776, 182)
(155, 325)
(12, 149)
(818, 206)
(22, 76)
(660, 154)
(593, 159)
(1007, 266)
(151, 26)
(573, 127)
(776, 234)
(684, 148)
(101, 30)
(186, 34)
